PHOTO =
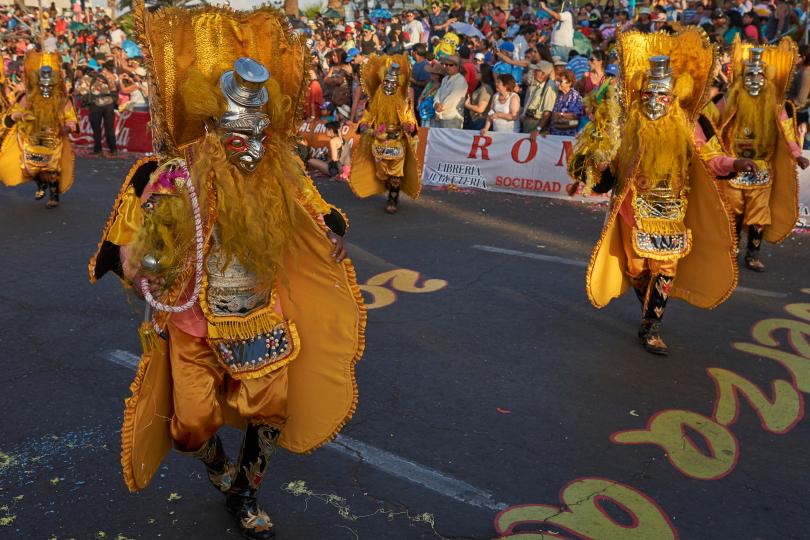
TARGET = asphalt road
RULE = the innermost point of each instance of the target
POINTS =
(488, 382)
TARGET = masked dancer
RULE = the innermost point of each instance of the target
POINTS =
(258, 320)
(756, 124)
(667, 234)
(386, 159)
(36, 146)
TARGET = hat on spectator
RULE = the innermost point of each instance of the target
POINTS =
(436, 67)
(451, 59)
(351, 53)
(340, 28)
(543, 66)
(660, 17)
(612, 69)
(479, 58)
(140, 72)
(559, 61)
(350, 29)
(507, 46)
(718, 14)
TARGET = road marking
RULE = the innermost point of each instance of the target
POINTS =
(535, 256)
(584, 264)
(379, 459)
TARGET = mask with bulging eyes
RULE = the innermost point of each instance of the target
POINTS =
(46, 81)
(245, 150)
(656, 101)
(242, 126)
(754, 82)
(389, 87)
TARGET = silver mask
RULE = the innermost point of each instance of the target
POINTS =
(656, 96)
(754, 74)
(45, 81)
(241, 127)
(391, 80)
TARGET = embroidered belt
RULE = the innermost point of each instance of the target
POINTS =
(751, 180)
(256, 356)
(388, 151)
(662, 246)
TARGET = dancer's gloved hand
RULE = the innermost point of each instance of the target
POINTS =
(340, 252)
(803, 162)
(745, 165)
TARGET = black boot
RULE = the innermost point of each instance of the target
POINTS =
(640, 285)
(656, 302)
(754, 243)
(258, 445)
(53, 198)
(221, 470)
(41, 185)
(393, 195)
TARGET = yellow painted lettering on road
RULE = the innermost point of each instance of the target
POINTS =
(402, 280)
(778, 415)
(667, 430)
(582, 512)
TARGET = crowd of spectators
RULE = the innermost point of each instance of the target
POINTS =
(526, 68)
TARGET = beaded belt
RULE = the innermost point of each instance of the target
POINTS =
(751, 180)
(258, 354)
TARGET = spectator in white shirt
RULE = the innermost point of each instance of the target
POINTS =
(449, 100)
(117, 36)
(562, 37)
(413, 28)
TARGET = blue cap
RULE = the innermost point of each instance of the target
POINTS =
(507, 46)
(351, 53)
(612, 69)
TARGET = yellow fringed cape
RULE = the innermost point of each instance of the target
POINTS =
(325, 302)
(363, 180)
(706, 276)
(11, 156)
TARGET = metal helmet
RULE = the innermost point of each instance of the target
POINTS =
(391, 80)
(754, 72)
(242, 125)
(656, 96)
(46, 81)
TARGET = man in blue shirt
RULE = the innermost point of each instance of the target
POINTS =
(419, 73)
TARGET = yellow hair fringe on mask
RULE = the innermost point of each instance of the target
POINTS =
(47, 112)
(167, 234)
(753, 112)
(663, 145)
(385, 109)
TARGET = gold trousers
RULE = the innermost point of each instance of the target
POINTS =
(753, 204)
(201, 386)
(637, 265)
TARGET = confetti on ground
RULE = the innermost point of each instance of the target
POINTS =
(101, 534)
(7, 520)
(299, 488)
(54, 480)
(502, 410)
(174, 497)
(19, 497)
(6, 461)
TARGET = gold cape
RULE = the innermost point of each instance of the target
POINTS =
(705, 277)
(11, 161)
(324, 301)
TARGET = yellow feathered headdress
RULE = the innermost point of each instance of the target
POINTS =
(186, 52)
(691, 57)
(374, 70)
(779, 62)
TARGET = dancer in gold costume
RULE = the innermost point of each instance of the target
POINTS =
(36, 146)
(386, 158)
(667, 234)
(258, 317)
(755, 124)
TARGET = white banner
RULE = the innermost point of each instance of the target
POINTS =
(505, 162)
(804, 196)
